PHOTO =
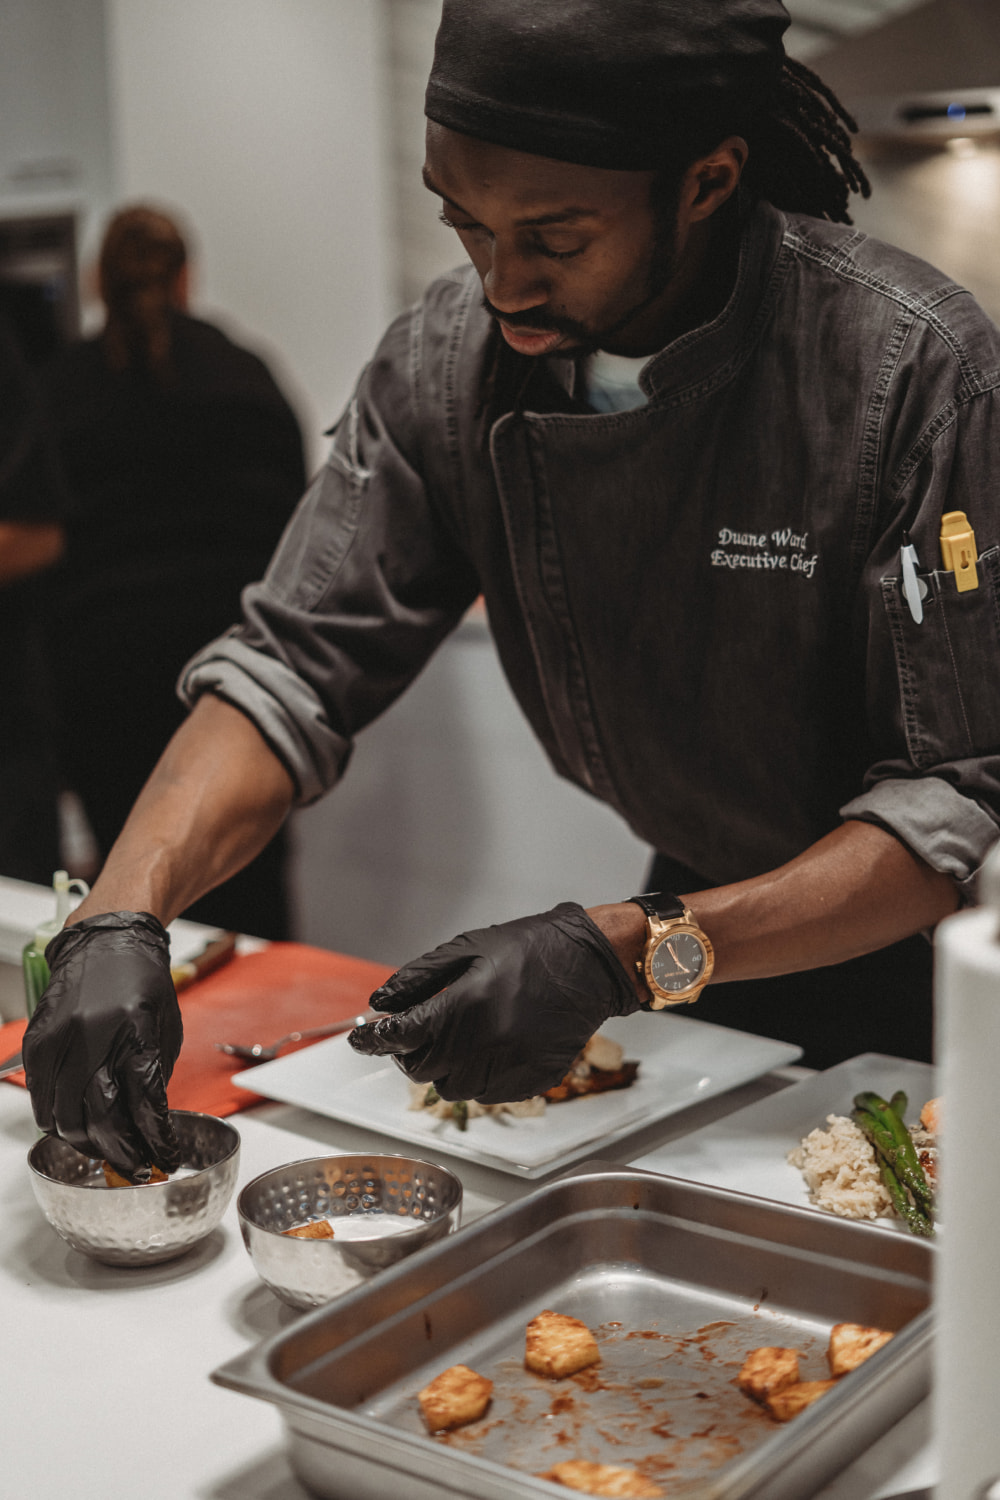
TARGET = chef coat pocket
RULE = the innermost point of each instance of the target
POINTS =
(949, 665)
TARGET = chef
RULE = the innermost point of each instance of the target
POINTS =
(693, 438)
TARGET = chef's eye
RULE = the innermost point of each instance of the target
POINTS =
(552, 253)
(453, 224)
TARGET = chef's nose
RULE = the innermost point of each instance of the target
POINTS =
(512, 281)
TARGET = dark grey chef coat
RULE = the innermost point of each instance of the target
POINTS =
(697, 603)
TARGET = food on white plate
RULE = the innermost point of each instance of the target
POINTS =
(116, 1180)
(558, 1345)
(454, 1398)
(770, 1375)
(602, 1479)
(599, 1068)
(840, 1170)
(460, 1111)
(871, 1165)
(768, 1370)
(785, 1404)
(316, 1229)
(851, 1344)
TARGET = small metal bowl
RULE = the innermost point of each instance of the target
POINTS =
(147, 1223)
(381, 1209)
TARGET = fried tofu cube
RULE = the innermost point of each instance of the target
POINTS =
(602, 1479)
(851, 1344)
(316, 1229)
(558, 1345)
(768, 1370)
(455, 1397)
(787, 1403)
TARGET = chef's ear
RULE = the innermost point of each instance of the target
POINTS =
(711, 181)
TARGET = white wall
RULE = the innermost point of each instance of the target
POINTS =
(261, 121)
(450, 817)
(54, 150)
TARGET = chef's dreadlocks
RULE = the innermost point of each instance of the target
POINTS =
(801, 157)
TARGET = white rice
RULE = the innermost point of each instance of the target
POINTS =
(840, 1170)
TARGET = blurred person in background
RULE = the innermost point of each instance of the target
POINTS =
(184, 461)
(32, 506)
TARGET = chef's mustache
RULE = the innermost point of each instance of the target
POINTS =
(537, 318)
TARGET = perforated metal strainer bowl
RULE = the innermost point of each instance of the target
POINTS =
(381, 1209)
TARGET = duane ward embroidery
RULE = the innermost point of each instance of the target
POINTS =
(779, 551)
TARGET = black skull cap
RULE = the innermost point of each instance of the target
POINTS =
(603, 83)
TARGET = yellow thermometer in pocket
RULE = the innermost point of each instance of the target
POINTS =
(958, 550)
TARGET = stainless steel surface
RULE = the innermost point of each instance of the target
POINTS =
(678, 1281)
(12, 1064)
(151, 1222)
(382, 1209)
(258, 1052)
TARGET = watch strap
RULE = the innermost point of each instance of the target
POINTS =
(659, 905)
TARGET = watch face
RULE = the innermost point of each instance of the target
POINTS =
(678, 962)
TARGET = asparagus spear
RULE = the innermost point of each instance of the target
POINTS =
(459, 1110)
(915, 1212)
(896, 1144)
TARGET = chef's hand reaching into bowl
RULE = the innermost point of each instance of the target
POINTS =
(104, 1039)
(500, 1013)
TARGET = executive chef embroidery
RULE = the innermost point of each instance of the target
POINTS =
(784, 551)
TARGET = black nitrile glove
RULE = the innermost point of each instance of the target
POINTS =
(104, 1040)
(500, 1014)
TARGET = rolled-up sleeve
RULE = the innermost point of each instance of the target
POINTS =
(934, 684)
(367, 580)
(947, 829)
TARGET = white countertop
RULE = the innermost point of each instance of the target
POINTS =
(106, 1394)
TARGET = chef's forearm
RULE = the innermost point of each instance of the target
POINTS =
(856, 890)
(216, 797)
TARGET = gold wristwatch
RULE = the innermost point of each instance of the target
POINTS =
(677, 960)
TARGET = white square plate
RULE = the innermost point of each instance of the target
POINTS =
(681, 1062)
(747, 1151)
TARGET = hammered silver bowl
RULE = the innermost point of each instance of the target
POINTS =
(381, 1209)
(147, 1223)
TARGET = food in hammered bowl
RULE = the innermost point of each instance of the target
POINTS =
(116, 1180)
(871, 1165)
(598, 1069)
(314, 1229)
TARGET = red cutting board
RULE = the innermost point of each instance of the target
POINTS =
(256, 997)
